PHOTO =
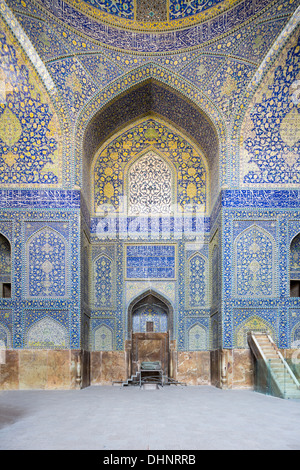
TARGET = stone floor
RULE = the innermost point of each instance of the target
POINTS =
(130, 418)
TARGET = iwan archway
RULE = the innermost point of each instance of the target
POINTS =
(149, 192)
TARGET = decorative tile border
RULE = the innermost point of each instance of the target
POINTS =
(205, 31)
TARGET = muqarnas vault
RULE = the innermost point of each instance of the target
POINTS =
(149, 200)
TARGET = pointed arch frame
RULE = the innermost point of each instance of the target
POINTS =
(141, 296)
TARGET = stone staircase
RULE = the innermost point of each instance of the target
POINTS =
(278, 380)
(133, 380)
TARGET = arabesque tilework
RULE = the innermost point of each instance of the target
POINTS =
(30, 139)
(183, 123)
(191, 172)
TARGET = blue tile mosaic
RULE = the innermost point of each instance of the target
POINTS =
(144, 42)
(150, 262)
(122, 8)
(26, 198)
(183, 8)
(82, 87)
(264, 198)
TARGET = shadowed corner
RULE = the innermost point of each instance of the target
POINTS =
(9, 416)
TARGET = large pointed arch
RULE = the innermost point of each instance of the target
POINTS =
(151, 91)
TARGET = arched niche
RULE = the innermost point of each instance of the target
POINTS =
(150, 299)
(176, 156)
(5, 267)
(295, 336)
(150, 98)
(47, 334)
(253, 323)
(198, 281)
(5, 337)
(197, 338)
(103, 292)
(103, 338)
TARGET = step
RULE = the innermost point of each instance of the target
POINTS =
(288, 385)
(285, 378)
(282, 373)
(270, 355)
(289, 388)
(278, 366)
(266, 344)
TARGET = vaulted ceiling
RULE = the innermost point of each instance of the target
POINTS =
(215, 46)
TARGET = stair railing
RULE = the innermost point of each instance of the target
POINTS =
(251, 334)
(285, 364)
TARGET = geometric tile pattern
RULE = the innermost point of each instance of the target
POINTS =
(150, 262)
(183, 8)
(197, 281)
(103, 286)
(114, 7)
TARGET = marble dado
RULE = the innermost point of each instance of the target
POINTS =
(42, 369)
(107, 366)
(224, 369)
(193, 367)
(75, 369)
(232, 368)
